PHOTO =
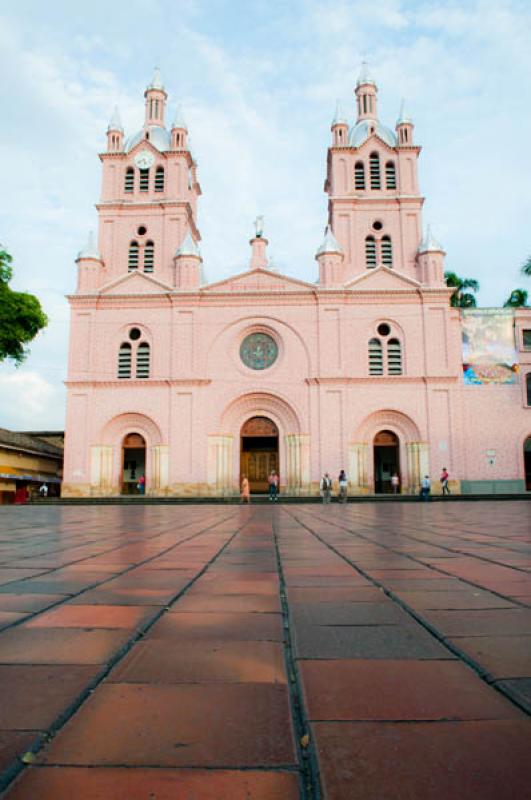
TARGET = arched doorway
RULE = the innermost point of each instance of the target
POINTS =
(134, 464)
(386, 461)
(258, 452)
(527, 463)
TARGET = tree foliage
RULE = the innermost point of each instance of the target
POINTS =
(460, 297)
(517, 299)
(526, 267)
(21, 315)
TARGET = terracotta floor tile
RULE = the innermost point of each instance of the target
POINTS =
(242, 725)
(481, 622)
(9, 617)
(162, 661)
(519, 689)
(388, 613)
(64, 783)
(28, 602)
(380, 641)
(424, 761)
(124, 597)
(335, 594)
(501, 656)
(475, 598)
(399, 690)
(31, 697)
(23, 645)
(228, 602)
(223, 586)
(91, 616)
(228, 625)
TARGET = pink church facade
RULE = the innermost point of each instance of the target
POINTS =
(177, 386)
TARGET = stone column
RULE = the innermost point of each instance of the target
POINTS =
(101, 470)
(160, 467)
(357, 468)
(297, 470)
(418, 464)
(219, 467)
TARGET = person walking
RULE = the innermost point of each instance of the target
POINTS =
(425, 486)
(43, 490)
(326, 487)
(444, 481)
(245, 491)
(141, 485)
(273, 485)
(343, 486)
(395, 482)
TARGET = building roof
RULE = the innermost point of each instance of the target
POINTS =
(90, 250)
(188, 247)
(339, 117)
(329, 243)
(28, 443)
(156, 80)
(159, 137)
(429, 243)
(403, 116)
(365, 75)
(362, 130)
(115, 122)
(179, 120)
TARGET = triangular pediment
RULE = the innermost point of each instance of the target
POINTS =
(382, 278)
(258, 280)
(369, 143)
(135, 283)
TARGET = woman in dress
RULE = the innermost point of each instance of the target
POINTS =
(245, 493)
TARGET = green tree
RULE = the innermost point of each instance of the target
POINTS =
(461, 298)
(526, 267)
(517, 299)
(21, 315)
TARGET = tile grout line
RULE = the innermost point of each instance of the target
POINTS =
(307, 756)
(17, 767)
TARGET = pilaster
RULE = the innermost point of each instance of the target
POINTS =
(357, 468)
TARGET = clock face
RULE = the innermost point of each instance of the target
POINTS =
(258, 351)
(144, 159)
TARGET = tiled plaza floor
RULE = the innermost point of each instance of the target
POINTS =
(373, 651)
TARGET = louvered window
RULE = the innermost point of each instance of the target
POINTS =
(528, 387)
(370, 252)
(375, 357)
(387, 251)
(132, 263)
(149, 257)
(159, 179)
(124, 360)
(374, 163)
(390, 175)
(359, 175)
(129, 183)
(142, 360)
(394, 357)
(144, 180)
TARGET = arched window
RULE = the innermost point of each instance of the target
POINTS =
(394, 357)
(387, 251)
(159, 179)
(157, 109)
(370, 252)
(390, 175)
(149, 256)
(124, 360)
(129, 183)
(528, 387)
(374, 164)
(132, 262)
(375, 357)
(142, 360)
(144, 180)
(359, 175)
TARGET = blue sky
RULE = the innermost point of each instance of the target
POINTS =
(258, 82)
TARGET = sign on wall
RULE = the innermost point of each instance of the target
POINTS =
(489, 348)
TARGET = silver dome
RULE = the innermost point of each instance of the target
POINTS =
(362, 130)
(158, 137)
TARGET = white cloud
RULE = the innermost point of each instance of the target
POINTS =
(29, 402)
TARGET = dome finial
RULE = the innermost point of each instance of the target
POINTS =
(115, 122)
(90, 250)
(179, 120)
(429, 243)
(339, 116)
(188, 247)
(329, 243)
(156, 80)
(365, 77)
(403, 117)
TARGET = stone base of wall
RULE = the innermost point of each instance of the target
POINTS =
(493, 487)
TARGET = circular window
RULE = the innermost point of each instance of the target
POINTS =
(142, 230)
(384, 329)
(135, 334)
(377, 226)
(258, 351)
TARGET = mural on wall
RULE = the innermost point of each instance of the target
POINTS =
(489, 348)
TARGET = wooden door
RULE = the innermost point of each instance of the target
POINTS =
(257, 465)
